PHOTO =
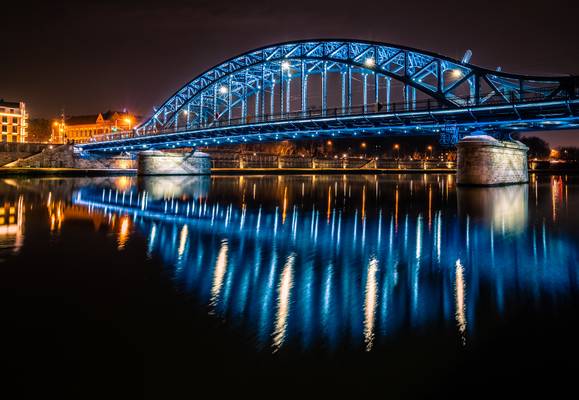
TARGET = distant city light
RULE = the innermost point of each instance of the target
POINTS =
(370, 62)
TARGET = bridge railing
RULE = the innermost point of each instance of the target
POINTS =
(223, 120)
(225, 160)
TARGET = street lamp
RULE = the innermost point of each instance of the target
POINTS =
(429, 148)
(58, 133)
(329, 143)
(370, 62)
(397, 148)
(456, 73)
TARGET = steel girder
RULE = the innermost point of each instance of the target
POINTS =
(214, 95)
(547, 115)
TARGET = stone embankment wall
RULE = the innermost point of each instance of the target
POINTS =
(154, 162)
(10, 152)
(63, 156)
(484, 160)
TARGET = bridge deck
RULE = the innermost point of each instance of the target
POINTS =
(543, 115)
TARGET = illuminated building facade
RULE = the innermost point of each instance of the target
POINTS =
(13, 119)
(80, 129)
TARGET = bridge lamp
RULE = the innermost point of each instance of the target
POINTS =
(285, 65)
(456, 73)
(370, 62)
(223, 90)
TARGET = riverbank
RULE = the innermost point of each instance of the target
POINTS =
(328, 171)
(64, 172)
(11, 172)
(219, 171)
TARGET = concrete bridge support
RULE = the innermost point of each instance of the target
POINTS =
(485, 161)
(154, 162)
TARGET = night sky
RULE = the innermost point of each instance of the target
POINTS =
(96, 56)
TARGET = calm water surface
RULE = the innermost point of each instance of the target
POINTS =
(404, 280)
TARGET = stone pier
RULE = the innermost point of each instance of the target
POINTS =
(154, 162)
(485, 161)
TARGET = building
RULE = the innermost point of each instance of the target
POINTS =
(14, 121)
(81, 128)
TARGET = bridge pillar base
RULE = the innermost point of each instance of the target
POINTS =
(485, 161)
(153, 162)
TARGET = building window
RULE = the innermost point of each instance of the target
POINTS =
(4, 128)
(14, 129)
(15, 120)
(5, 119)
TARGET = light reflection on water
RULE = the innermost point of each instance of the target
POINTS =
(304, 261)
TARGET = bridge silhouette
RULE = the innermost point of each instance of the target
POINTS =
(347, 88)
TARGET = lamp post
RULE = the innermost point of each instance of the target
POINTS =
(329, 144)
(397, 148)
(58, 132)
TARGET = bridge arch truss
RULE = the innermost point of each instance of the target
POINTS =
(341, 77)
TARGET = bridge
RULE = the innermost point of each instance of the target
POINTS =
(342, 88)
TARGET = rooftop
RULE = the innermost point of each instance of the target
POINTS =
(92, 118)
(11, 104)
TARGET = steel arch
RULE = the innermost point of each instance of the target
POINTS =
(441, 78)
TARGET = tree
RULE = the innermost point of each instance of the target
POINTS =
(538, 148)
(39, 130)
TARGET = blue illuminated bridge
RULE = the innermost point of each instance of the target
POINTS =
(344, 88)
